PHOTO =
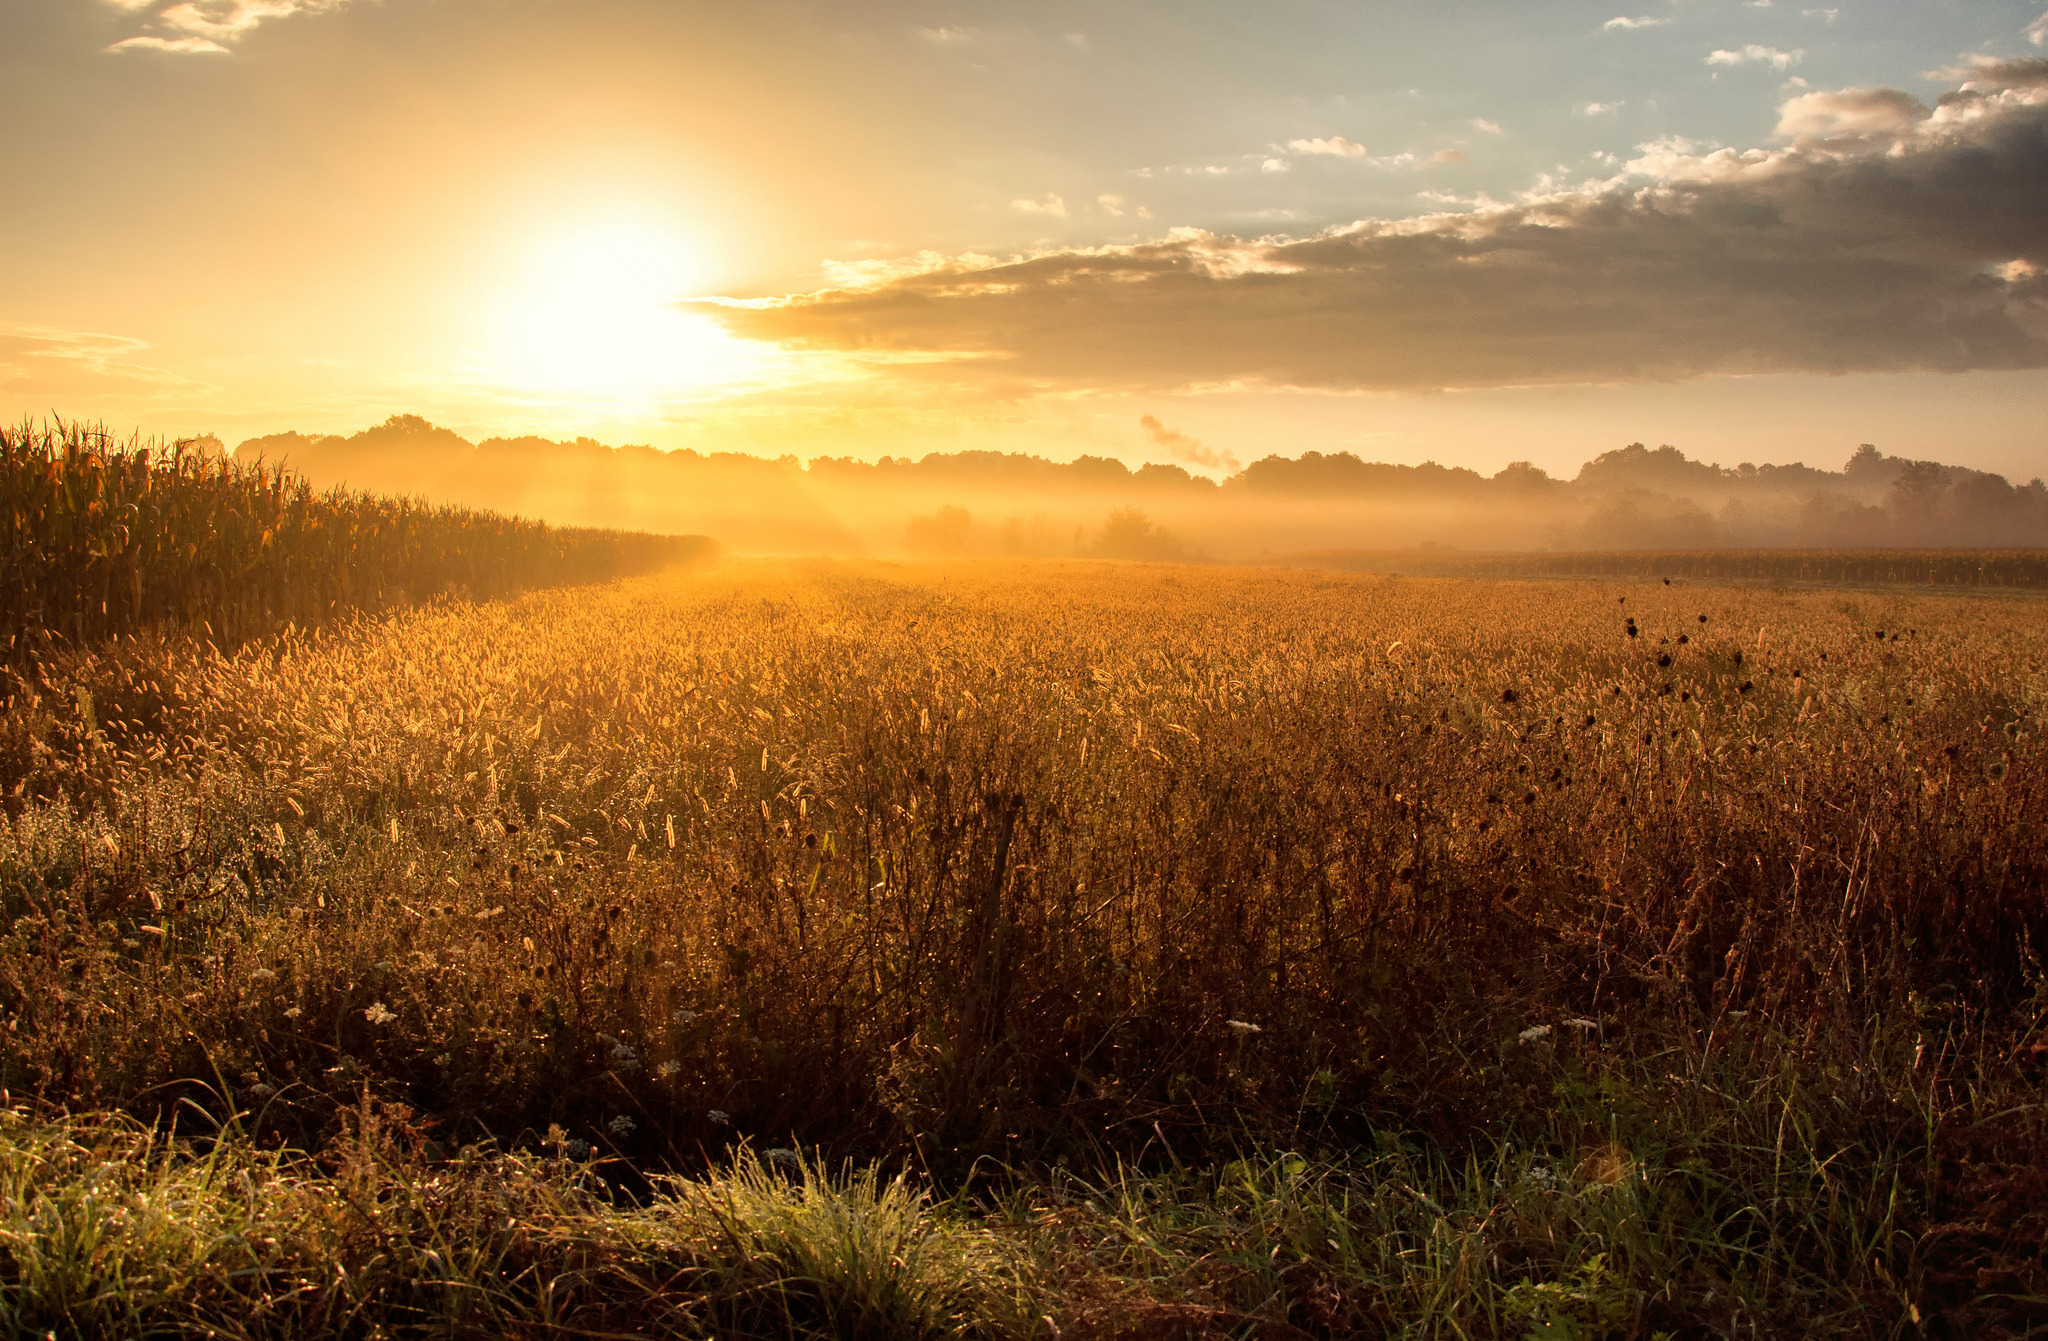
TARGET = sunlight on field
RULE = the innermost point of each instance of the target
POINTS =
(1075, 862)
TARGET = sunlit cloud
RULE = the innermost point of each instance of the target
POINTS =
(1755, 54)
(190, 46)
(2037, 31)
(1601, 108)
(1622, 21)
(1850, 111)
(1052, 205)
(1824, 15)
(208, 26)
(1335, 146)
(1490, 127)
(1883, 237)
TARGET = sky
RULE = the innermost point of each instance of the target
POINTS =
(1474, 232)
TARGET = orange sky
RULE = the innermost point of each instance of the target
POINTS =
(1482, 233)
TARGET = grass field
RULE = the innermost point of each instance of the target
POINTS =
(864, 949)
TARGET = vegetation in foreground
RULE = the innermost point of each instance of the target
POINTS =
(102, 539)
(1211, 953)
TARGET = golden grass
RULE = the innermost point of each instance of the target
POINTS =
(1727, 927)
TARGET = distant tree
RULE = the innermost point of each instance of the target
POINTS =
(1033, 537)
(1524, 477)
(1130, 534)
(943, 532)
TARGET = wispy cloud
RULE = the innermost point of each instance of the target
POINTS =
(1052, 205)
(1756, 54)
(1490, 127)
(1335, 146)
(207, 27)
(189, 46)
(1895, 241)
(2037, 31)
(53, 361)
(1185, 449)
(1624, 22)
(1824, 15)
(1601, 108)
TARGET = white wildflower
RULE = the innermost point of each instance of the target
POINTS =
(622, 1126)
(263, 977)
(667, 1070)
(1534, 1032)
(719, 1117)
(379, 1013)
(1243, 1027)
(1582, 1024)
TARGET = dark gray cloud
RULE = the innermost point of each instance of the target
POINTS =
(1881, 235)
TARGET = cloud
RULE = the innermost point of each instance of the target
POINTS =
(1447, 156)
(1824, 15)
(1052, 205)
(1185, 449)
(1490, 127)
(208, 26)
(191, 46)
(1990, 74)
(1336, 146)
(48, 361)
(1111, 205)
(1851, 248)
(1850, 111)
(2037, 31)
(1754, 54)
(1601, 108)
(1624, 22)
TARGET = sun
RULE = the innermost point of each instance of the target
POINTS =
(594, 315)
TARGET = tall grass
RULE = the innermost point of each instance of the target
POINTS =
(101, 538)
(1682, 977)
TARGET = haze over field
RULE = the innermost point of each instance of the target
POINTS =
(990, 503)
(1192, 235)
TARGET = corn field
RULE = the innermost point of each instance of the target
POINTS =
(101, 538)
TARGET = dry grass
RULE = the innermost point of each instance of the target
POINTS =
(1593, 981)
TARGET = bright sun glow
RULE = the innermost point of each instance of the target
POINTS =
(596, 318)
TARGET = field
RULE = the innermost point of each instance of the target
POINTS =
(1036, 949)
(104, 538)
